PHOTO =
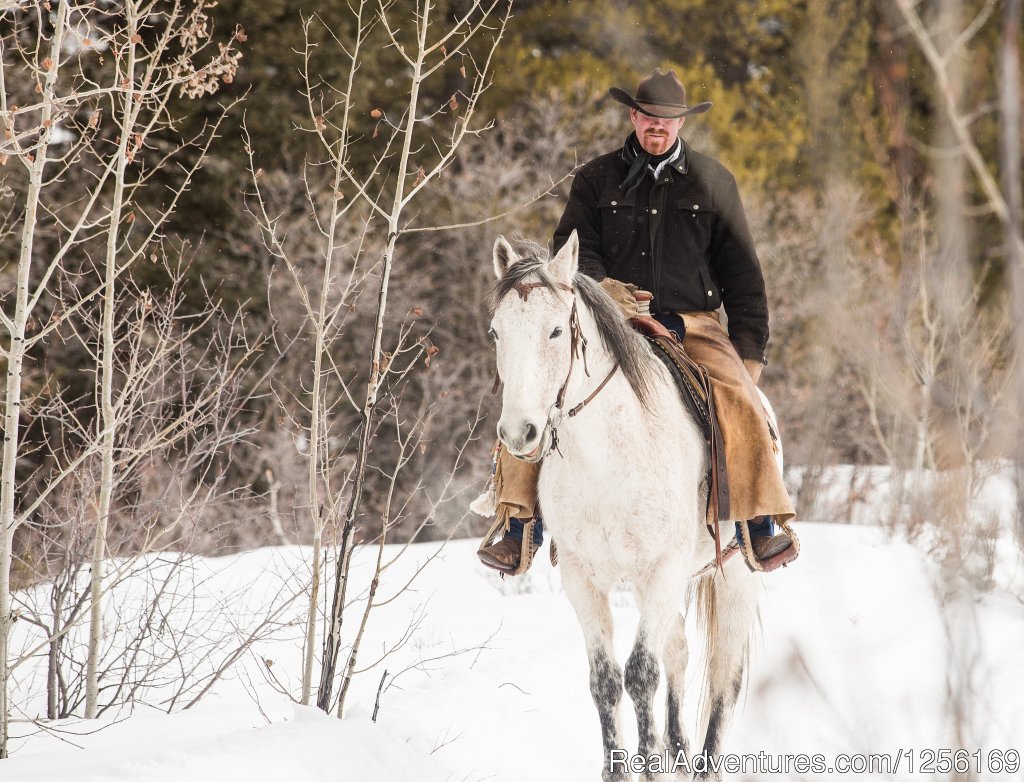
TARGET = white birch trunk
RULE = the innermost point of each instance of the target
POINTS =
(107, 413)
(15, 359)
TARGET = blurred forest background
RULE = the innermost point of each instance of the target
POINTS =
(877, 147)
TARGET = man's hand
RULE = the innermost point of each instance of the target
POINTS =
(622, 294)
(753, 369)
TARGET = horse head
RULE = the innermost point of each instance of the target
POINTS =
(534, 326)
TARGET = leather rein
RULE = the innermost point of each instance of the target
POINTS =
(577, 348)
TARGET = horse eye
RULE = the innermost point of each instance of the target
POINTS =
(557, 332)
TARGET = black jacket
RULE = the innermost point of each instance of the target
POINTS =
(684, 238)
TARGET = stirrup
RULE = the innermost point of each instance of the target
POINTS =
(782, 559)
(527, 548)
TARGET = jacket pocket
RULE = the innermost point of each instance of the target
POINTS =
(712, 296)
(695, 218)
(618, 224)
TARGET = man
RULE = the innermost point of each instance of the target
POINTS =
(659, 216)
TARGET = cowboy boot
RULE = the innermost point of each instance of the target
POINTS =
(503, 555)
(767, 546)
(770, 550)
(513, 554)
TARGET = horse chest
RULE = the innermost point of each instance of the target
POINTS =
(610, 508)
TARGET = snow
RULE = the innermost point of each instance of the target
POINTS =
(859, 653)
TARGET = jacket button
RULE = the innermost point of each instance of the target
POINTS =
(654, 211)
(710, 293)
(615, 203)
(696, 206)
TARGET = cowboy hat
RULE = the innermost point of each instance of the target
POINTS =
(660, 95)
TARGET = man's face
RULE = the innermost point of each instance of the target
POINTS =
(656, 135)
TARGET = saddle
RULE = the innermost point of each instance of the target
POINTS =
(695, 390)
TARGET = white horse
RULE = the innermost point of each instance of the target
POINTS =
(622, 490)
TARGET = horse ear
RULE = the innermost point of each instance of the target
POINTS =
(504, 256)
(566, 262)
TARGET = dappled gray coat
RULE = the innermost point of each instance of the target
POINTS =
(684, 238)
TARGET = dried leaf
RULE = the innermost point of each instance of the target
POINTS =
(417, 311)
(420, 176)
(136, 38)
(258, 174)
(444, 51)
(453, 103)
(39, 88)
(240, 35)
(430, 349)
(462, 70)
(130, 217)
(86, 42)
(376, 113)
(47, 64)
(3, 160)
(321, 124)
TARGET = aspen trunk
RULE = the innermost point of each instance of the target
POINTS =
(16, 328)
(108, 415)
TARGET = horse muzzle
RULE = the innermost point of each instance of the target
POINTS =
(526, 440)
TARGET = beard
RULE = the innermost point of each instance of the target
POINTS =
(657, 142)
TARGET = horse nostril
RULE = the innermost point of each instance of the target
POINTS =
(531, 432)
(502, 434)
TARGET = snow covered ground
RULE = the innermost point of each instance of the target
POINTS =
(856, 655)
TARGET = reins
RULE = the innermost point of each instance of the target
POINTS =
(577, 347)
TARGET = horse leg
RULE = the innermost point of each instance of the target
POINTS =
(659, 599)
(729, 608)
(675, 657)
(595, 617)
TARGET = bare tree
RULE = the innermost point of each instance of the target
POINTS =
(84, 179)
(1010, 131)
(972, 343)
(362, 211)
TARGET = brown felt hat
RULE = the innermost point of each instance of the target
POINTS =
(660, 95)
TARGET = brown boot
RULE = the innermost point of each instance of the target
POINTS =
(503, 555)
(768, 546)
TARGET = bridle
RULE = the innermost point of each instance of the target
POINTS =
(577, 349)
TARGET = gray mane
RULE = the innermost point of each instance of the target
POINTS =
(627, 347)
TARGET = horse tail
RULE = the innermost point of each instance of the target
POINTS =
(706, 610)
(726, 643)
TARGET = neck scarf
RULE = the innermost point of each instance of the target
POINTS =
(639, 159)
